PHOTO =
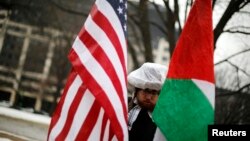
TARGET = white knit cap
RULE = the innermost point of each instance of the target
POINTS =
(149, 75)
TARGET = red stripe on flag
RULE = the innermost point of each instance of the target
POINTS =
(89, 122)
(104, 124)
(58, 109)
(111, 133)
(98, 92)
(75, 103)
(106, 26)
(107, 66)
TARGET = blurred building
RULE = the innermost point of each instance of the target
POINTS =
(29, 63)
(161, 53)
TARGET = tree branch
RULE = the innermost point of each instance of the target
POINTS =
(244, 4)
(67, 9)
(231, 9)
(135, 33)
(159, 27)
(238, 68)
(132, 4)
(238, 27)
(247, 85)
(214, 1)
(133, 55)
(176, 13)
(133, 18)
(159, 12)
(231, 56)
(237, 31)
(244, 12)
(189, 3)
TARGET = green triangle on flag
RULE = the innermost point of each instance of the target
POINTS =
(185, 106)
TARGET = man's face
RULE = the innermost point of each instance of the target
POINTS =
(147, 98)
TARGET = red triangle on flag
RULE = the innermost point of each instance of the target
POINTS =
(193, 55)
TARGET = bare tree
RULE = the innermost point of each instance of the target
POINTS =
(140, 35)
(170, 25)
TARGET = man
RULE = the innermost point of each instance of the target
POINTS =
(147, 82)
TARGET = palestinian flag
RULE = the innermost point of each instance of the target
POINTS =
(186, 103)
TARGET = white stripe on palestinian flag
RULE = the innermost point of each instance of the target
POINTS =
(208, 90)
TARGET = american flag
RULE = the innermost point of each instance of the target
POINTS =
(93, 105)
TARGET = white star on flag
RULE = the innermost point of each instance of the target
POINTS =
(119, 10)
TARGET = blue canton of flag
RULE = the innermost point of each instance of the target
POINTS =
(120, 7)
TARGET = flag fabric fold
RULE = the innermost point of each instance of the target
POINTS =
(186, 103)
(93, 105)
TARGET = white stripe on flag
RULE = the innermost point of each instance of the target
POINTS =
(207, 88)
(66, 105)
(115, 139)
(96, 132)
(106, 132)
(102, 79)
(110, 14)
(109, 50)
(81, 114)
